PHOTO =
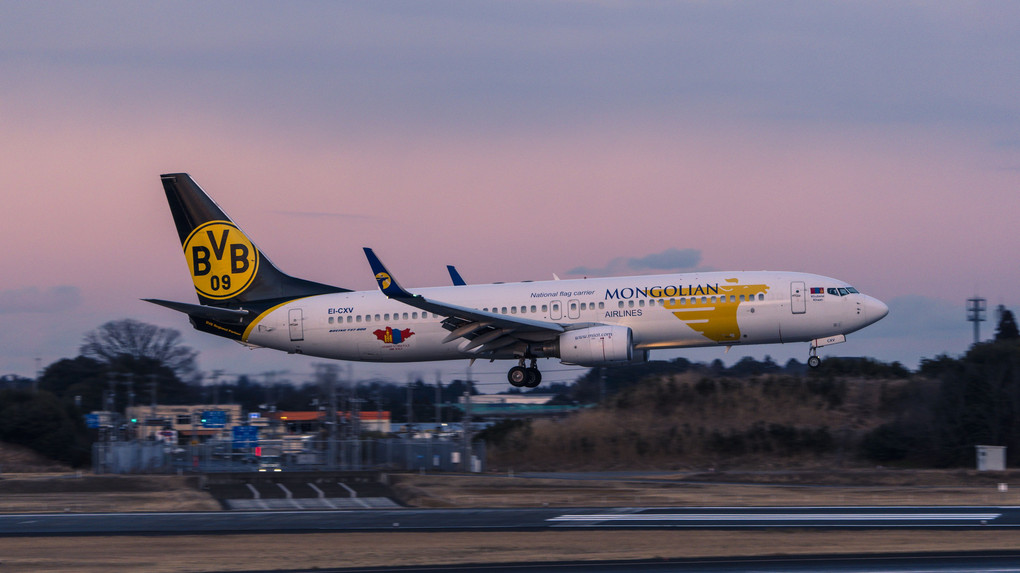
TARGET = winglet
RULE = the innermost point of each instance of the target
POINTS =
(455, 276)
(387, 284)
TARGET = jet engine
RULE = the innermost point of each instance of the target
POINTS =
(597, 345)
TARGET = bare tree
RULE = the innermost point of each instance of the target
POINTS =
(117, 339)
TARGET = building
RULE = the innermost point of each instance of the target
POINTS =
(312, 422)
(192, 423)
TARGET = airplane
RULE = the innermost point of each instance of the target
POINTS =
(586, 322)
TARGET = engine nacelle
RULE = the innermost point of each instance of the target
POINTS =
(597, 345)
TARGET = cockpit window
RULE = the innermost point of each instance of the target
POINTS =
(841, 291)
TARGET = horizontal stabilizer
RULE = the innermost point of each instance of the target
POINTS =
(202, 311)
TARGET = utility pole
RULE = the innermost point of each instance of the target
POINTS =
(152, 388)
(410, 405)
(215, 374)
(466, 465)
(976, 308)
(111, 396)
(326, 374)
(130, 383)
(439, 402)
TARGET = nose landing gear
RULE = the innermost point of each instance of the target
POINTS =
(813, 360)
(521, 377)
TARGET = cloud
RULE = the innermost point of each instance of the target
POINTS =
(32, 299)
(668, 260)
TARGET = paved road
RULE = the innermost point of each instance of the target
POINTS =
(510, 519)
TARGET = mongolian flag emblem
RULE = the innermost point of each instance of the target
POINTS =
(393, 336)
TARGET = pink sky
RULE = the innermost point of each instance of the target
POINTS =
(895, 168)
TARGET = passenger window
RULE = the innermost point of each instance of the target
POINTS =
(513, 310)
(414, 315)
(630, 303)
(534, 308)
(350, 318)
(602, 305)
(358, 319)
(405, 316)
(761, 296)
(331, 320)
(387, 316)
(545, 308)
(377, 318)
(641, 303)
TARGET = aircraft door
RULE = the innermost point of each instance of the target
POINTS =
(798, 302)
(296, 321)
(555, 310)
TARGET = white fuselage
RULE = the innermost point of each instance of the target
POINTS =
(662, 311)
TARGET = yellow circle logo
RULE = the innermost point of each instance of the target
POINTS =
(223, 262)
(384, 280)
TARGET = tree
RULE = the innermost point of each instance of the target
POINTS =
(81, 376)
(1007, 329)
(38, 421)
(122, 344)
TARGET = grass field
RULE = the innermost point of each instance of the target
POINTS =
(286, 551)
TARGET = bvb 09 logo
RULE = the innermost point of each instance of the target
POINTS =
(222, 260)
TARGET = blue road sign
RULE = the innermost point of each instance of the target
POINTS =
(245, 437)
(214, 419)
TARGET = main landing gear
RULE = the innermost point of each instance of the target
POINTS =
(521, 377)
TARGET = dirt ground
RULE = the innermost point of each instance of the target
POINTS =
(310, 550)
(62, 492)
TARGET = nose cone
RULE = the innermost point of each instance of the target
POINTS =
(874, 310)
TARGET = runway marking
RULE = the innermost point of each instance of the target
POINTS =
(777, 517)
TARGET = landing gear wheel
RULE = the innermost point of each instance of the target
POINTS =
(534, 378)
(518, 376)
(814, 361)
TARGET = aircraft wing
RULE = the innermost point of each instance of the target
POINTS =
(487, 331)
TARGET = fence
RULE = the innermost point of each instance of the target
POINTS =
(288, 455)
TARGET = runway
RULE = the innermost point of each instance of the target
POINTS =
(992, 562)
(509, 520)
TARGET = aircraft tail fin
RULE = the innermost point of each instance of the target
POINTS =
(226, 266)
